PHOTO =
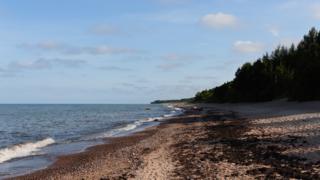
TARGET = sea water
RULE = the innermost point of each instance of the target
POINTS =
(32, 136)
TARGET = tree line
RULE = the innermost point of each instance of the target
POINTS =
(287, 72)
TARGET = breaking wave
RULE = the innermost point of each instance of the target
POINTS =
(129, 127)
(23, 150)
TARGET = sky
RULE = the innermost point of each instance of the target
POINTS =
(137, 51)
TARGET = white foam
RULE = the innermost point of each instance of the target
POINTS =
(152, 119)
(170, 106)
(129, 127)
(168, 115)
(176, 111)
(118, 130)
(23, 150)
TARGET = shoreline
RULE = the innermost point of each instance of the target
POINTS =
(268, 140)
(122, 148)
(49, 152)
(84, 159)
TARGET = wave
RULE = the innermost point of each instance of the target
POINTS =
(136, 124)
(175, 112)
(151, 119)
(23, 150)
(117, 131)
(128, 127)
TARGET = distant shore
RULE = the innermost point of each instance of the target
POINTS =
(263, 140)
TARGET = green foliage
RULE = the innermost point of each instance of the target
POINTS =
(292, 73)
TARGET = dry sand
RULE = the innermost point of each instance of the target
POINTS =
(275, 140)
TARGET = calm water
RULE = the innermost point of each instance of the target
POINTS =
(31, 136)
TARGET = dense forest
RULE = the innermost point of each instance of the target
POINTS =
(172, 101)
(288, 72)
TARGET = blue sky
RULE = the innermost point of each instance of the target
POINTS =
(125, 51)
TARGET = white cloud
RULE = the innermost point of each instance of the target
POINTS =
(247, 46)
(30, 65)
(45, 45)
(68, 63)
(219, 20)
(103, 49)
(40, 64)
(76, 50)
(49, 45)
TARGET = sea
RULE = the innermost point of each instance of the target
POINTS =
(33, 136)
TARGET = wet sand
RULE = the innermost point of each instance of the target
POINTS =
(277, 140)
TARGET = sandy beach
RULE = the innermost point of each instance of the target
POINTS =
(275, 140)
